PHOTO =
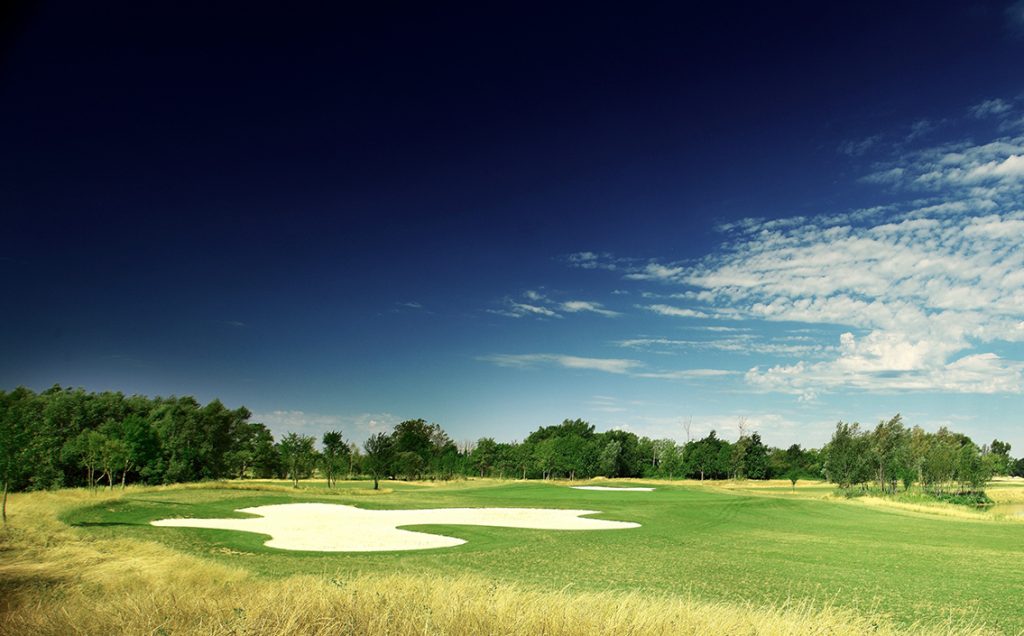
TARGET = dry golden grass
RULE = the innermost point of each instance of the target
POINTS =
(938, 508)
(1006, 490)
(58, 581)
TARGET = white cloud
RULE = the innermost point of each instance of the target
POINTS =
(592, 260)
(576, 306)
(656, 271)
(539, 305)
(1010, 168)
(678, 312)
(607, 365)
(685, 374)
(745, 344)
(620, 366)
(536, 307)
(989, 107)
(925, 291)
(856, 148)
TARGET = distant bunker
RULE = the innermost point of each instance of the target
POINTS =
(623, 489)
(324, 527)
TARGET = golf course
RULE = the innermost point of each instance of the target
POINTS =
(721, 556)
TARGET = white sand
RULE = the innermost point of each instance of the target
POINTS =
(335, 528)
(631, 488)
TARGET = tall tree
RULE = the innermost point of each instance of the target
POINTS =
(15, 432)
(1001, 457)
(484, 455)
(87, 448)
(298, 453)
(608, 460)
(755, 460)
(845, 462)
(889, 452)
(379, 450)
(335, 455)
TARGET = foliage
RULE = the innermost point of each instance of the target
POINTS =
(298, 455)
(68, 437)
(891, 455)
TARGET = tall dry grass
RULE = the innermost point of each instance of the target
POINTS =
(57, 580)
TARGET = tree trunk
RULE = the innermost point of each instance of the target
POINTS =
(5, 502)
(375, 486)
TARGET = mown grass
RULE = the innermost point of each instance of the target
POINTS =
(725, 558)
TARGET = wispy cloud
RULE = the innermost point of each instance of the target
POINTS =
(592, 260)
(743, 344)
(658, 272)
(989, 108)
(923, 292)
(620, 366)
(606, 365)
(677, 312)
(926, 288)
(857, 147)
(576, 306)
(540, 305)
(685, 374)
(536, 307)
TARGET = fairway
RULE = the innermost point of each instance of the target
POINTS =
(763, 545)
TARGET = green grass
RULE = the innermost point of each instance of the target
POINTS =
(760, 545)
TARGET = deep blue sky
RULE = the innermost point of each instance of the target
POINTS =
(496, 219)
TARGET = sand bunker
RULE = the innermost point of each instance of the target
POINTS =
(336, 528)
(631, 488)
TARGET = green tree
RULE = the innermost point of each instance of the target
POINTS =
(546, 456)
(703, 454)
(335, 455)
(429, 442)
(971, 471)
(672, 462)
(755, 459)
(88, 449)
(845, 456)
(630, 461)
(143, 449)
(377, 460)
(939, 464)
(15, 432)
(484, 456)
(608, 460)
(298, 453)
(889, 452)
(1000, 452)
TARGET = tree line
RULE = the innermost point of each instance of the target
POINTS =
(945, 464)
(65, 437)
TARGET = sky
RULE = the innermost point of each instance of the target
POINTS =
(497, 218)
